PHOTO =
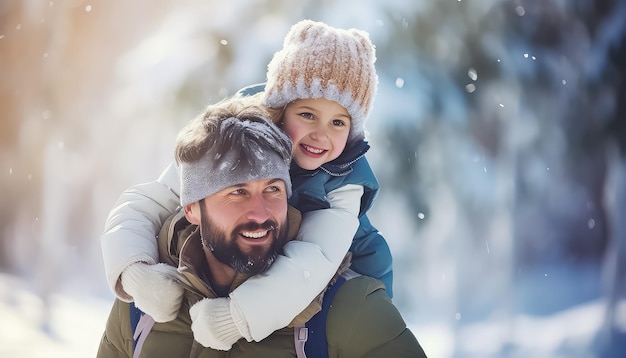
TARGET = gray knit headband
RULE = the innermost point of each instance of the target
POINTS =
(216, 171)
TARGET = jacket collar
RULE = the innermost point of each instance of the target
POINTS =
(180, 246)
(341, 166)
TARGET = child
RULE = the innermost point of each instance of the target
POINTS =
(320, 87)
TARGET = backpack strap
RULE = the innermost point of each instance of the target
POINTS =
(140, 325)
(135, 315)
(310, 340)
(300, 336)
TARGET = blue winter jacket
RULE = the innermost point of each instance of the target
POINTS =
(370, 252)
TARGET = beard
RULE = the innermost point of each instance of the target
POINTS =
(226, 250)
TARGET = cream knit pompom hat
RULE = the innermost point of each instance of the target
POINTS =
(318, 61)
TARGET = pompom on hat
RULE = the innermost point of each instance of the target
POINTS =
(318, 61)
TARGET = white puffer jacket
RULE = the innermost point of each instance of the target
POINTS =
(292, 282)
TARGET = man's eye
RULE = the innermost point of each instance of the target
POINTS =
(272, 189)
(238, 192)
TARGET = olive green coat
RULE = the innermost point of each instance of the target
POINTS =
(362, 321)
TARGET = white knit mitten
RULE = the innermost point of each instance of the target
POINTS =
(154, 289)
(217, 323)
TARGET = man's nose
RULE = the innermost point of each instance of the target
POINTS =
(258, 209)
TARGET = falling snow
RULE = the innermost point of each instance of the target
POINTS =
(484, 269)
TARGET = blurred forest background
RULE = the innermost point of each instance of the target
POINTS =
(498, 136)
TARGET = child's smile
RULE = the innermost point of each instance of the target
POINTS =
(312, 151)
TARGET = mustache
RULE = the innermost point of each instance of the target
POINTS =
(269, 225)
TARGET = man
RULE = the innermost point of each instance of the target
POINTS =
(234, 222)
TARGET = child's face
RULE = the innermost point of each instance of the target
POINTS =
(319, 130)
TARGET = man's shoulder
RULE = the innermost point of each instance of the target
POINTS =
(358, 288)
(115, 341)
(354, 298)
(363, 321)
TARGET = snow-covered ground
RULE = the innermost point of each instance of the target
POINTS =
(77, 322)
(75, 331)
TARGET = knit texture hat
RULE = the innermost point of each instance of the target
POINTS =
(243, 151)
(318, 61)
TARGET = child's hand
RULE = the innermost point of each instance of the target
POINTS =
(154, 289)
(216, 323)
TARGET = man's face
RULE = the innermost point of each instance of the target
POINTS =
(245, 225)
